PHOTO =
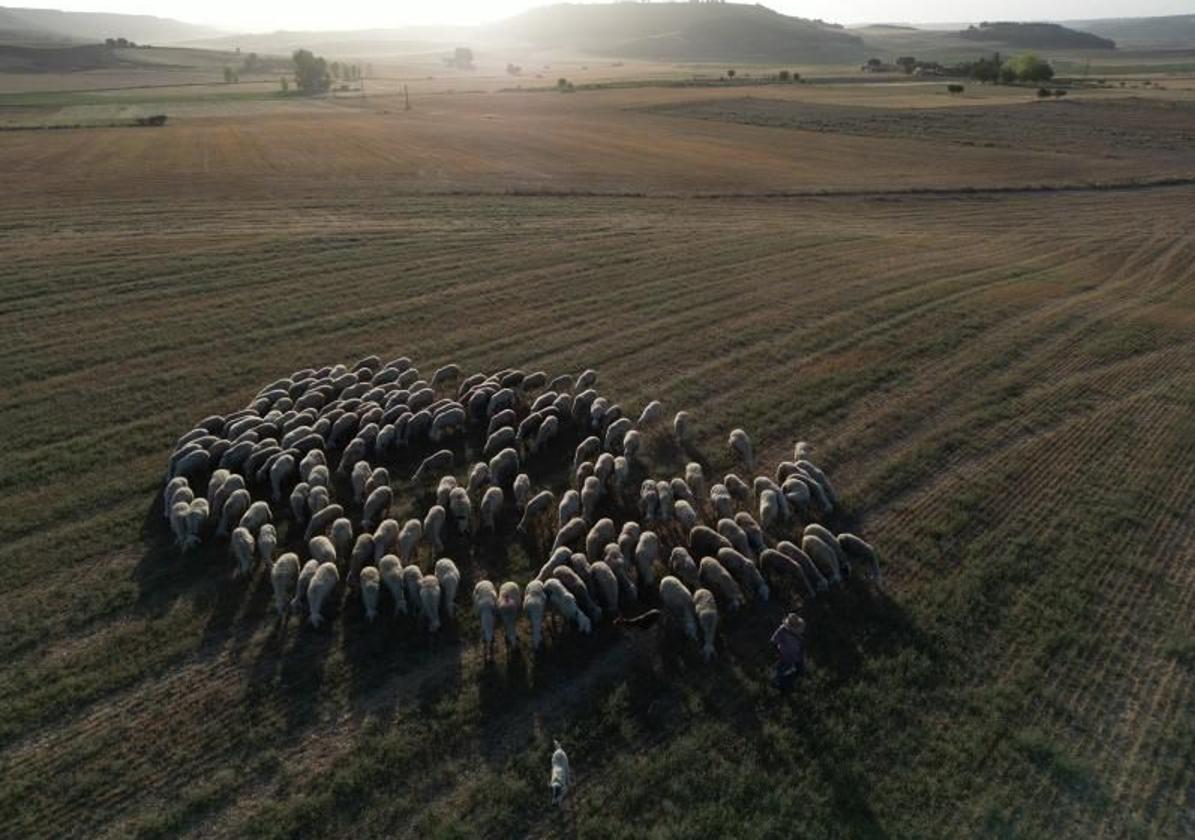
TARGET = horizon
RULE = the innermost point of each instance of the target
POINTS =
(274, 15)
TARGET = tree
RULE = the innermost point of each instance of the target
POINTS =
(462, 57)
(335, 68)
(1008, 74)
(783, 75)
(230, 75)
(252, 63)
(730, 73)
(285, 83)
(906, 63)
(311, 72)
(1030, 68)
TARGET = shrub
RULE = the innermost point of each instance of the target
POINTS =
(783, 75)
(1043, 93)
(955, 88)
(1059, 92)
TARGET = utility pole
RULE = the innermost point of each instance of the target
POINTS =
(406, 98)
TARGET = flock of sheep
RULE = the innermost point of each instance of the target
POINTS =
(311, 456)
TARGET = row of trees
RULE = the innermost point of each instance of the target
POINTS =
(1023, 68)
(314, 74)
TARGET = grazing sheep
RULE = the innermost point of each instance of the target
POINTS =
(391, 572)
(573, 530)
(591, 495)
(322, 550)
(714, 575)
(682, 566)
(587, 450)
(360, 557)
(178, 483)
(444, 489)
(561, 600)
(632, 442)
(450, 578)
(341, 534)
(538, 506)
(647, 551)
(615, 434)
(504, 467)
(318, 499)
(322, 521)
(385, 538)
(408, 539)
(707, 616)
(432, 464)
(597, 412)
(721, 501)
(803, 451)
(377, 507)
(739, 489)
(737, 537)
(695, 479)
(534, 602)
(283, 576)
(577, 588)
(583, 472)
(198, 514)
(305, 576)
(445, 374)
(429, 600)
(800, 493)
(547, 432)
(685, 514)
(499, 440)
(479, 477)
(485, 603)
(370, 586)
(560, 556)
(857, 549)
(359, 478)
(599, 536)
(234, 508)
(319, 476)
(605, 585)
(433, 528)
(628, 539)
(563, 382)
(769, 509)
(682, 428)
(808, 568)
(491, 508)
(751, 528)
(561, 776)
(412, 583)
(780, 565)
(745, 573)
(651, 415)
(298, 502)
(614, 559)
(510, 603)
(255, 516)
(823, 556)
(587, 379)
(314, 458)
(740, 449)
(678, 604)
(522, 491)
(242, 545)
(649, 501)
(705, 541)
(267, 543)
(461, 509)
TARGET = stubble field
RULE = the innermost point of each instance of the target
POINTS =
(1001, 386)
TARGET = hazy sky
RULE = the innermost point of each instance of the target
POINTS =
(268, 15)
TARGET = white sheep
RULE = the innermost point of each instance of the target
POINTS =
(433, 528)
(432, 464)
(412, 584)
(570, 507)
(283, 576)
(242, 546)
(740, 448)
(561, 600)
(745, 572)
(667, 500)
(803, 451)
(857, 549)
(547, 432)
(391, 572)
(461, 509)
(233, 509)
(282, 471)
(605, 584)
(685, 514)
(586, 379)
(695, 479)
(370, 587)
(721, 501)
(561, 777)
(491, 508)
(314, 458)
(651, 415)
(649, 501)
(342, 537)
(714, 575)
(769, 509)
(678, 604)
(560, 556)
(178, 482)
(305, 576)
(429, 600)
(647, 552)
(360, 556)
(522, 491)
(824, 556)
(322, 550)
(320, 476)
(816, 580)
(322, 583)
(683, 567)
(408, 539)
(707, 616)
(570, 532)
(535, 508)
(255, 516)
(739, 489)
(485, 602)
(587, 450)
(377, 507)
(599, 536)
(510, 603)
(380, 477)
(298, 501)
(450, 578)
(385, 538)
(447, 484)
(632, 443)
(534, 602)
(682, 428)
(736, 536)
(318, 498)
(267, 543)
(198, 514)
(591, 495)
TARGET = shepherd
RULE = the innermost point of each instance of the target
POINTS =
(789, 640)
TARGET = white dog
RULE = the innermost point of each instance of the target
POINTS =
(560, 774)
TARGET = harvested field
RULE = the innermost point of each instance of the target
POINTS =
(1002, 388)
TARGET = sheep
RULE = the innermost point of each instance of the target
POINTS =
(597, 412)
(591, 494)
(359, 478)
(485, 603)
(745, 573)
(707, 616)
(385, 538)
(605, 584)
(705, 541)
(603, 470)
(314, 458)
(305, 576)
(319, 476)
(408, 539)
(563, 382)
(298, 501)
(534, 602)
(320, 522)
(619, 566)
(341, 534)
(695, 479)
(751, 528)
(539, 504)
(242, 545)
(678, 604)
(809, 569)
(256, 515)
(444, 489)
(198, 513)
(411, 578)
(667, 500)
(820, 477)
(587, 450)
(283, 576)
(267, 543)
(779, 564)
(548, 430)
(510, 603)
(234, 508)
(561, 600)
(318, 499)
(740, 449)
(561, 776)
(628, 539)
(450, 578)
(583, 472)
(377, 507)
(769, 509)
(599, 536)
(682, 428)
(560, 556)
(491, 508)
(682, 566)
(433, 528)
(857, 549)
(570, 532)
(429, 600)
(736, 536)
(504, 467)
(652, 414)
(360, 556)
(615, 434)
(803, 451)
(721, 501)
(577, 588)
(445, 374)
(522, 491)
(647, 551)
(685, 514)
(322, 550)
(432, 463)
(461, 509)
(499, 440)
(586, 379)
(714, 575)
(192, 465)
(632, 442)
(370, 586)
(356, 451)
(649, 501)
(390, 570)
(739, 489)
(823, 556)
(180, 483)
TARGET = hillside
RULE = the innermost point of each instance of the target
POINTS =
(680, 32)
(96, 26)
(1043, 36)
(59, 59)
(1173, 32)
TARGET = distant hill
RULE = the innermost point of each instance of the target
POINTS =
(1042, 36)
(1172, 32)
(680, 32)
(93, 27)
(59, 59)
